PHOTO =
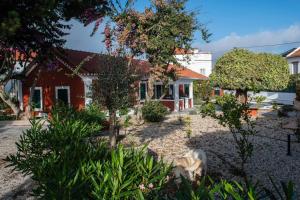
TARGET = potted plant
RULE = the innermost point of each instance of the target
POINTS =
(253, 110)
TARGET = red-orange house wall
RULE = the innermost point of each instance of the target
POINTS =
(48, 80)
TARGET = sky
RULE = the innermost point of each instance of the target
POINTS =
(233, 23)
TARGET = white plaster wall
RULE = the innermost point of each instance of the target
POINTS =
(290, 61)
(197, 61)
(278, 97)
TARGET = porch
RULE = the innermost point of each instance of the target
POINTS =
(178, 97)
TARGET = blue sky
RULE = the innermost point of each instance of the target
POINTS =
(233, 23)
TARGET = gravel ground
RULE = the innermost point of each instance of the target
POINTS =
(169, 140)
(12, 184)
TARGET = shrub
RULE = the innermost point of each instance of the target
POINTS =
(66, 163)
(91, 115)
(202, 90)
(154, 111)
(7, 117)
(210, 190)
(259, 100)
(235, 116)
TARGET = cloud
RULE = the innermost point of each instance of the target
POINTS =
(290, 34)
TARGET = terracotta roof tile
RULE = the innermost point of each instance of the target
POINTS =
(73, 58)
(180, 51)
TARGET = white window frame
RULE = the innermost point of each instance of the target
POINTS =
(202, 71)
(295, 65)
(41, 95)
(63, 87)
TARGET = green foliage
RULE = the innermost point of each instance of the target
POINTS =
(66, 163)
(7, 117)
(294, 83)
(202, 90)
(235, 116)
(91, 115)
(274, 105)
(245, 70)
(259, 99)
(157, 32)
(114, 88)
(114, 85)
(154, 111)
(209, 190)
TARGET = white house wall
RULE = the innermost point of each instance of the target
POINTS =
(278, 97)
(290, 61)
(197, 62)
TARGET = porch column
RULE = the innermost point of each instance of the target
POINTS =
(176, 96)
(87, 90)
(20, 94)
(191, 94)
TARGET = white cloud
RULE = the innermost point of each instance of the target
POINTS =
(289, 34)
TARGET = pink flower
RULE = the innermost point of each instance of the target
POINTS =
(150, 186)
(142, 187)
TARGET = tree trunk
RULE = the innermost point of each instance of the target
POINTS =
(150, 87)
(241, 95)
(112, 131)
(5, 98)
(29, 107)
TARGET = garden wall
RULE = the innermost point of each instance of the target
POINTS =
(278, 97)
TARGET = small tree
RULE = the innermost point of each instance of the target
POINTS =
(243, 70)
(236, 117)
(114, 88)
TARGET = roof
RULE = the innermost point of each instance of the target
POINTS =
(184, 72)
(181, 51)
(90, 64)
(295, 52)
(284, 54)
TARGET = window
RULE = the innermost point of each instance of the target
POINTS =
(295, 67)
(143, 88)
(202, 71)
(187, 90)
(170, 93)
(217, 92)
(158, 91)
(37, 99)
(62, 94)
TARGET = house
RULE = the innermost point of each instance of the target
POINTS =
(57, 82)
(293, 58)
(196, 60)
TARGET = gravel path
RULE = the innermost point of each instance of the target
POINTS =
(12, 184)
(169, 140)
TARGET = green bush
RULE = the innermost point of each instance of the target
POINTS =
(91, 115)
(209, 190)
(154, 111)
(7, 117)
(202, 91)
(66, 163)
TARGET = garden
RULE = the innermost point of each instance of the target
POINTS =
(120, 148)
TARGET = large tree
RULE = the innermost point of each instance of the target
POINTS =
(36, 29)
(156, 33)
(243, 70)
